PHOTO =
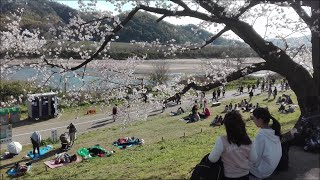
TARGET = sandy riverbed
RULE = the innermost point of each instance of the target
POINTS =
(175, 65)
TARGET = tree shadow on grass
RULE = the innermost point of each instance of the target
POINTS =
(49, 154)
(100, 125)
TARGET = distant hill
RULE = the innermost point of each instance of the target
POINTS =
(46, 14)
(293, 42)
(143, 27)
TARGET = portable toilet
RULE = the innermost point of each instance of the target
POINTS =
(4, 116)
(42, 105)
(14, 114)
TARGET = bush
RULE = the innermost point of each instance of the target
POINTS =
(48, 141)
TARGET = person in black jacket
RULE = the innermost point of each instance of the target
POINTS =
(72, 133)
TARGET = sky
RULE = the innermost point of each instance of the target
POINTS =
(259, 24)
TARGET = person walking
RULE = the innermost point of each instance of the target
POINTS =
(250, 95)
(218, 92)
(36, 141)
(258, 83)
(214, 95)
(114, 112)
(269, 92)
(275, 92)
(72, 133)
(262, 86)
(223, 91)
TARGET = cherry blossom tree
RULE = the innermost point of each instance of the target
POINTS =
(300, 66)
(294, 64)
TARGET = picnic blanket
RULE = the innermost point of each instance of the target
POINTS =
(127, 142)
(94, 151)
(43, 151)
(52, 165)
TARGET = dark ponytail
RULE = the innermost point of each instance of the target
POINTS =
(265, 115)
(276, 127)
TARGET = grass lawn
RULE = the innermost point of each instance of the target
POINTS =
(172, 158)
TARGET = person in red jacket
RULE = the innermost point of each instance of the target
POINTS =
(206, 112)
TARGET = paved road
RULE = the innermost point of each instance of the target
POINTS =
(22, 133)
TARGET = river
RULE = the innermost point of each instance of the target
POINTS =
(176, 67)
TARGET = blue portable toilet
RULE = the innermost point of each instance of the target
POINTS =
(42, 105)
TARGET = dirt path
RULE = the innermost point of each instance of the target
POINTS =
(302, 166)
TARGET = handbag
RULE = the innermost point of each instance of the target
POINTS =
(206, 170)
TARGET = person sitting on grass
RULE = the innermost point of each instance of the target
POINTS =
(267, 145)
(220, 120)
(195, 107)
(230, 107)
(248, 108)
(195, 117)
(235, 149)
(235, 107)
(215, 121)
(205, 114)
(282, 108)
(279, 100)
(288, 100)
(290, 109)
(225, 109)
(179, 111)
(242, 104)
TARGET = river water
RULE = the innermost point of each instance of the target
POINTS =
(74, 80)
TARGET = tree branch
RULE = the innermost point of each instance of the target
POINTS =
(299, 49)
(161, 18)
(107, 39)
(212, 7)
(233, 76)
(189, 13)
(100, 19)
(302, 13)
(285, 3)
(52, 65)
(181, 3)
(245, 8)
(213, 38)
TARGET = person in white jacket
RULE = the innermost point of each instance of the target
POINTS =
(235, 149)
(266, 144)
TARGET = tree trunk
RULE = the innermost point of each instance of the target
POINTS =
(308, 125)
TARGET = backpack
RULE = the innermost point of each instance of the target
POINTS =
(206, 170)
(64, 138)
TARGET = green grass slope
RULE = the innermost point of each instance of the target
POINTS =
(182, 147)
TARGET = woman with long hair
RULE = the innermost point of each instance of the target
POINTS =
(267, 145)
(234, 148)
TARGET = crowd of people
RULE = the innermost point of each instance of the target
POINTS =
(242, 158)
